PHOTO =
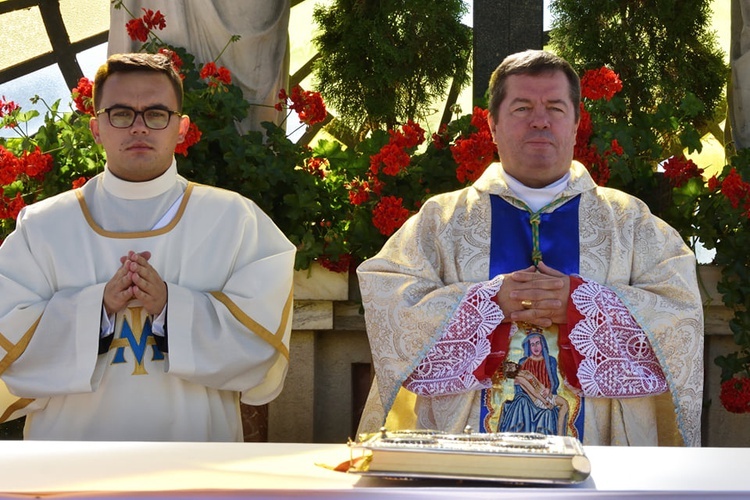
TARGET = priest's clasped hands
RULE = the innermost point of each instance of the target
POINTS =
(535, 295)
(136, 279)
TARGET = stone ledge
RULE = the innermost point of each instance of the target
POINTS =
(312, 315)
(318, 283)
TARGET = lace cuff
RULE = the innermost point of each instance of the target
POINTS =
(618, 360)
(449, 365)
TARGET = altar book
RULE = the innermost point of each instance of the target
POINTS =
(508, 457)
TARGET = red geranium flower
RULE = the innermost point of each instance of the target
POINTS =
(11, 207)
(35, 163)
(585, 128)
(600, 83)
(308, 105)
(215, 75)
(7, 108)
(389, 215)
(393, 158)
(154, 19)
(359, 192)
(410, 135)
(441, 138)
(82, 96)
(8, 167)
(79, 182)
(137, 29)
(735, 395)
(479, 119)
(193, 135)
(679, 170)
(340, 266)
(473, 154)
(317, 166)
(735, 189)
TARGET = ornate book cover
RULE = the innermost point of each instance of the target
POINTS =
(507, 457)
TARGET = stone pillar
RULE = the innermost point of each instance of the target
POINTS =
(501, 28)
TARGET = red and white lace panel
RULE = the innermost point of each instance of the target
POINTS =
(449, 365)
(619, 361)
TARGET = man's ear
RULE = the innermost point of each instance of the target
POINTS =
(94, 127)
(491, 124)
(184, 126)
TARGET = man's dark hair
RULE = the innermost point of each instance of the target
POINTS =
(532, 62)
(138, 61)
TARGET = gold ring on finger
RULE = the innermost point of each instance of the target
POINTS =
(527, 304)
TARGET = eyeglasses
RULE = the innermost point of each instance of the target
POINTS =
(124, 117)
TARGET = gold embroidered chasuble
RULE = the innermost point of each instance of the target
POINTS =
(412, 288)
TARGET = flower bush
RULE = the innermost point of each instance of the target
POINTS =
(713, 212)
(339, 204)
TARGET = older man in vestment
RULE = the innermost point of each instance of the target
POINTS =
(536, 246)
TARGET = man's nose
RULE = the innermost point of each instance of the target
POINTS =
(139, 124)
(540, 118)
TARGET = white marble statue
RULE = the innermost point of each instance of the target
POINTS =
(739, 91)
(259, 61)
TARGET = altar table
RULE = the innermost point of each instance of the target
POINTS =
(98, 470)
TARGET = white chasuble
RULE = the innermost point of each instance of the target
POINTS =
(228, 271)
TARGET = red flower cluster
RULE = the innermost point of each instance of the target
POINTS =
(308, 105)
(139, 28)
(736, 190)
(216, 75)
(79, 182)
(82, 96)
(193, 135)
(389, 214)
(588, 154)
(8, 167)
(600, 83)
(10, 207)
(317, 166)
(393, 156)
(7, 108)
(340, 266)
(735, 394)
(441, 139)
(30, 165)
(359, 192)
(474, 153)
(679, 170)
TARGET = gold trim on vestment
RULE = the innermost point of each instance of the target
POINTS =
(16, 349)
(274, 339)
(18, 405)
(135, 234)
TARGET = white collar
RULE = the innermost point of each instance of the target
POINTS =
(140, 190)
(536, 198)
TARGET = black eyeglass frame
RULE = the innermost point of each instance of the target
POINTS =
(142, 113)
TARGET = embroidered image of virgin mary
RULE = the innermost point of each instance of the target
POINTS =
(536, 405)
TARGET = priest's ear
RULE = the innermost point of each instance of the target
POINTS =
(94, 127)
(184, 126)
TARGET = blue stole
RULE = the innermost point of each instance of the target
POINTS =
(513, 247)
